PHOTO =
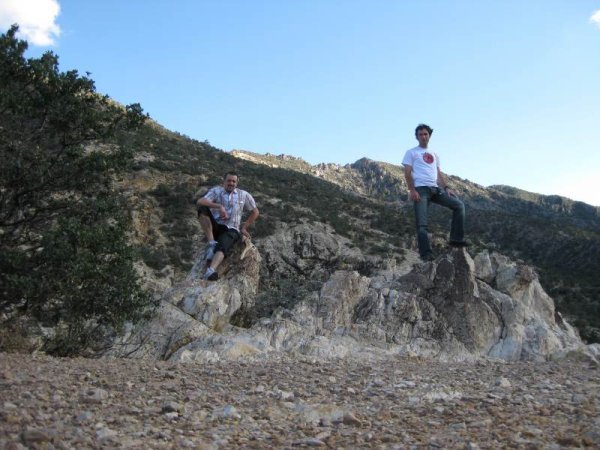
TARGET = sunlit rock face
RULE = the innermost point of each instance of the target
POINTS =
(454, 308)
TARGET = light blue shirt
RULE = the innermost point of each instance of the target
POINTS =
(235, 203)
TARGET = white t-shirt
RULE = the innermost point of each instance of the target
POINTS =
(424, 165)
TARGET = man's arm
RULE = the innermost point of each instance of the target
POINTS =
(410, 182)
(441, 180)
(249, 221)
(203, 201)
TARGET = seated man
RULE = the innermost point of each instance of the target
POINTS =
(220, 214)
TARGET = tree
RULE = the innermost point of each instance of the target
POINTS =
(63, 227)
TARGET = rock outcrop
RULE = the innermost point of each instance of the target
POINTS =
(455, 308)
(307, 250)
(195, 308)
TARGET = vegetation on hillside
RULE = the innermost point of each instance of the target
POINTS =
(66, 261)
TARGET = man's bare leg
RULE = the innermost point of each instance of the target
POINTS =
(207, 228)
(206, 225)
(211, 273)
(217, 260)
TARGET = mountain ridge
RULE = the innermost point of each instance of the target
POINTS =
(558, 202)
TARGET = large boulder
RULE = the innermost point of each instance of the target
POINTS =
(440, 309)
(531, 327)
(459, 308)
(195, 308)
(306, 250)
(160, 337)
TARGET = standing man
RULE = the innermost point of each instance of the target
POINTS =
(426, 183)
(220, 214)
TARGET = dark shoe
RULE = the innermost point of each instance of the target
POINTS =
(211, 274)
(458, 244)
(213, 277)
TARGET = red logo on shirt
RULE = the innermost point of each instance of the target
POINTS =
(428, 158)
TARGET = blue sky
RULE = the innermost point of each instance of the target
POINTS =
(510, 87)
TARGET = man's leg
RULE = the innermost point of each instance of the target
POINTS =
(457, 230)
(209, 227)
(217, 260)
(421, 211)
(206, 227)
(226, 240)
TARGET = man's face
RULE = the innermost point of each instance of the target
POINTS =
(423, 138)
(230, 183)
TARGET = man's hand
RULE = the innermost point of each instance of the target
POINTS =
(244, 231)
(223, 213)
(414, 195)
(450, 192)
(251, 218)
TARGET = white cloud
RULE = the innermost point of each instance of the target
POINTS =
(595, 18)
(36, 19)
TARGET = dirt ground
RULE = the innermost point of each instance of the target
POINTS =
(290, 402)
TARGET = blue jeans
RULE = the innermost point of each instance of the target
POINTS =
(439, 196)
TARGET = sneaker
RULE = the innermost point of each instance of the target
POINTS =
(210, 251)
(211, 274)
(458, 244)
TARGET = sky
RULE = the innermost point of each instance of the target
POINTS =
(510, 87)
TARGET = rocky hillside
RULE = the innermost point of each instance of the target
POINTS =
(364, 202)
(559, 236)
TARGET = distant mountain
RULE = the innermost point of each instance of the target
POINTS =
(365, 202)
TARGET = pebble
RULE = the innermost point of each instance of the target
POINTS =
(105, 433)
(351, 419)
(229, 411)
(171, 406)
(309, 442)
(85, 416)
(33, 435)
(503, 382)
(93, 395)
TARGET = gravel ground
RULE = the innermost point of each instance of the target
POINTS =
(296, 403)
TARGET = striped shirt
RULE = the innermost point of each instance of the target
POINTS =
(235, 203)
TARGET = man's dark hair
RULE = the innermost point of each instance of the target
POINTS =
(231, 172)
(422, 126)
